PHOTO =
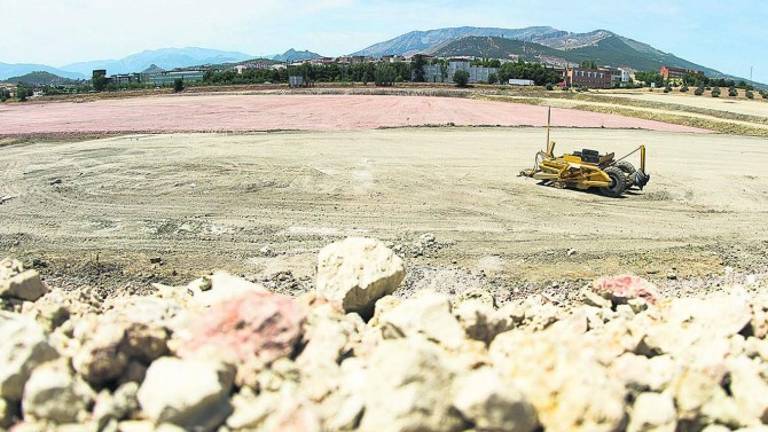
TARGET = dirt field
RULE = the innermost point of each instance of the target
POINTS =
(99, 210)
(246, 113)
(757, 107)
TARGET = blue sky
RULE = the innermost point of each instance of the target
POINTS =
(728, 36)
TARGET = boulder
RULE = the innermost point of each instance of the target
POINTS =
(653, 412)
(192, 394)
(53, 393)
(430, 315)
(118, 406)
(101, 360)
(23, 346)
(749, 389)
(17, 283)
(408, 387)
(356, 272)
(256, 327)
(491, 403)
(560, 375)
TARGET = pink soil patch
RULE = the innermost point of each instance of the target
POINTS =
(243, 113)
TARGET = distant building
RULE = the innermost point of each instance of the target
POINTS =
(521, 82)
(670, 73)
(592, 78)
(167, 78)
(296, 81)
(257, 64)
(438, 73)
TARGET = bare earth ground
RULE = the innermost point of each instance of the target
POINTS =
(246, 113)
(97, 211)
(756, 107)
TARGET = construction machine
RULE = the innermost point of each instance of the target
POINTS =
(588, 169)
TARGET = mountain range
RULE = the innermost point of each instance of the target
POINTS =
(541, 43)
(166, 58)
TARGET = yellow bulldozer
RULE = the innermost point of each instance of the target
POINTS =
(588, 169)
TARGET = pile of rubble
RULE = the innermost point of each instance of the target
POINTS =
(225, 354)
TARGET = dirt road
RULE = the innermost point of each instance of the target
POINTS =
(247, 113)
(248, 203)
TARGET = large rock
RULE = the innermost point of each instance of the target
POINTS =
(749, 389)
(193, 394)
(358, 271)
(53, 393)
(118, 406)
(408, 387)
(430, 315)
(259, 326)
(493, 404)
(17, 283)
(23, 346)
(559, 373)
(101, 359)
(653, 412)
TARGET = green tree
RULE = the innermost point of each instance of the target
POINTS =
(699, 91)
(417, 67)
(4, 95)
(21, 94)
(589, 64)
(461, 78)
(749, 94)
(384, 74)
(493, 78)
(178, 85)
(684, 88)
(732, 92)
(715, 92)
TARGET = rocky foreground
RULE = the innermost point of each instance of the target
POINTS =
(224, 354)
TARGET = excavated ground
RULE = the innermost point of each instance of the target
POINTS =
(98, 212)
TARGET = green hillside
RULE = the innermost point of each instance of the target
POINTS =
(40, 78)
(611, 51)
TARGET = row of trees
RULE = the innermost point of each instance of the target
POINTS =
(532, 71)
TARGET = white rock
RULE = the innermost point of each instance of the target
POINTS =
(492, 403)
(100, 359)
(428, 314)
(190, 393)
(53, 393)
(653, 412)
(23, 346)
(358, 271)
(749, 389)
(17, 283)
(408, 387)
(219, 287)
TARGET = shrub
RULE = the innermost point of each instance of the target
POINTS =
(749, 94)
(765, 95)
(178, 85)
(732, 92)
(699, 91)
(684, 88)
(550, 87)
(715, 92)
(461, 78)
(21, 94)
(492, 78)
